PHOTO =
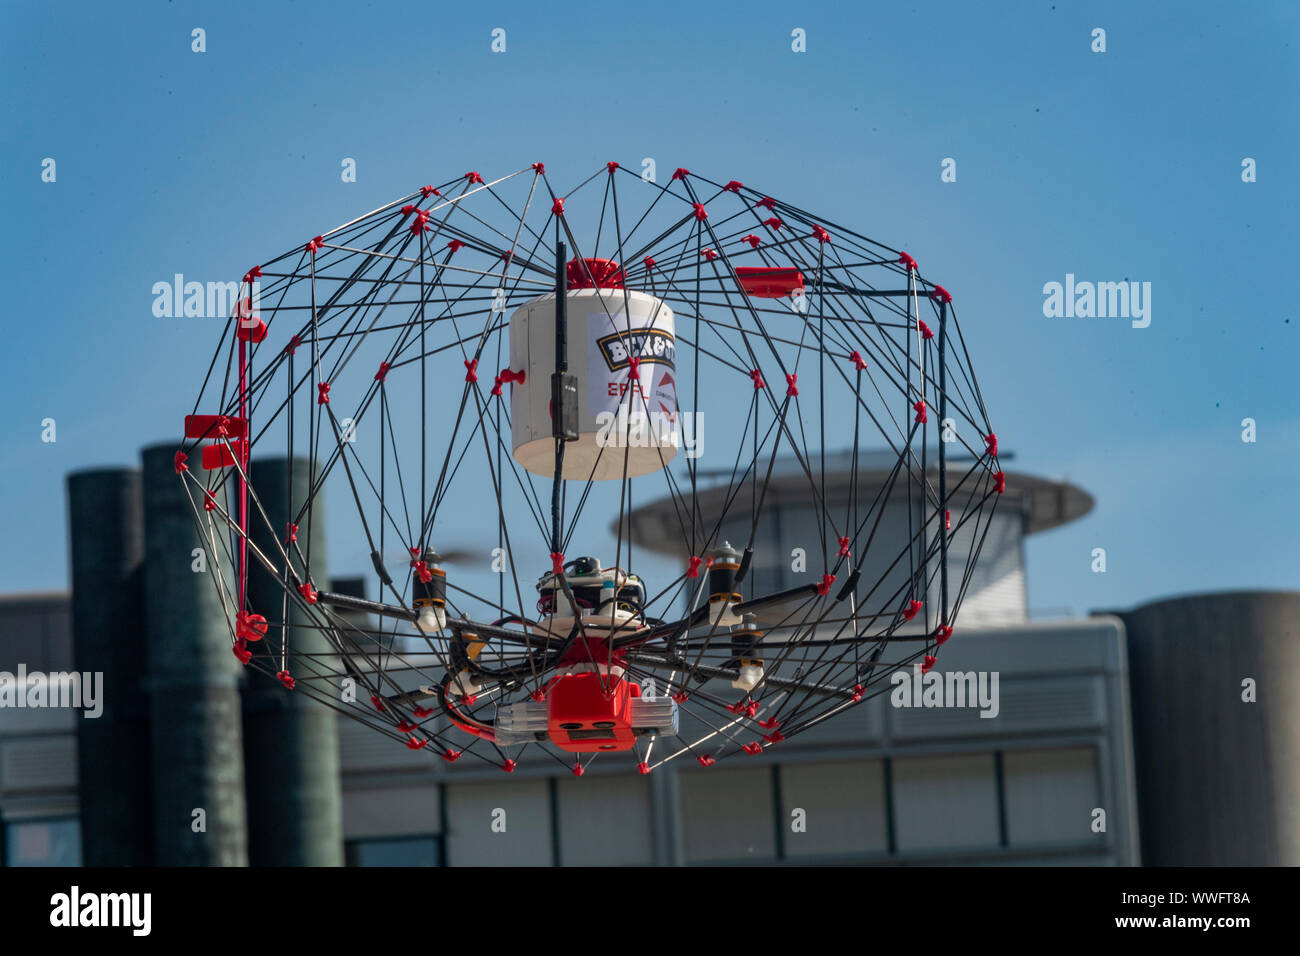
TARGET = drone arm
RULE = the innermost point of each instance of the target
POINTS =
(724, 673)
(458, 625)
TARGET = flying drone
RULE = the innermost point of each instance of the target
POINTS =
(533, 357)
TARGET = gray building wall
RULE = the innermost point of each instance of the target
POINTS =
(1218, 775)
(878, 785)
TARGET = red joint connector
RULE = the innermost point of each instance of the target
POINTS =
(557, 207)
(469, 700)
(557, 562)
(315, 244)
(290, 533)
(767, 202)
(680, 173)
(382, 374)
(611, 166)
(681, 697)
(649, 264)
(378, 703)
(753, 240)
(408, 209)
(751, 709)
(427, 191)
(791, 384)
(538, 695)
(507, 255)
(454, 245)
(407, 726)
(507, 375)
(178, 462)
(209, 502)
(286, 680)
(821, 234)
(634, 369)
(508, 766)
(858, 690)
(643, 768)
(775, 737)
(251, 274)
(858, 362)
(307, 591)
(709, 255)
(706, 760)
(844, 547)
(753, 747)
(471, 370)
(774, 223)
(423, 712)
(925, 329)
(473, 177)
(737, 707)
(921, 417)
(824, 587)
(908, 262)
(734, 186)
(539, 168)
(323, 393)
(991, 444)
(942, 634)
(700, 212)
(913, 607)
(292, 347)
(1000, 482)
(770, 724)
(577, 770)
(414, 744)
(757, 376)
(927, 663)
(422, 569)
(242, 652)
(693, 571)
(451, 756)
(947, 520)
(250, 627)
(942, 294)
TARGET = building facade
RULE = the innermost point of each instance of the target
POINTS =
(1045, 777)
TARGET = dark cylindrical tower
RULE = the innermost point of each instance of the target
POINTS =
(113, 762)
(291, 746)
(193, 679)
(1216, 728)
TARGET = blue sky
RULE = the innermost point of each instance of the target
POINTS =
(1117, 165)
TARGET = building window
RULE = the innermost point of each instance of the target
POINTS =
(606, 821)
(394, 851)
(500, 824)
(50, 842)
(946, 803)
(728, 815)
(839, 808)
(1050, 795)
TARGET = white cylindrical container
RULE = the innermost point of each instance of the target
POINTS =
(617, 416)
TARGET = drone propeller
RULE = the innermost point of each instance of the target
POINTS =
(461, 556)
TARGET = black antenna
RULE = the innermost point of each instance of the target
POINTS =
(564, 392)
